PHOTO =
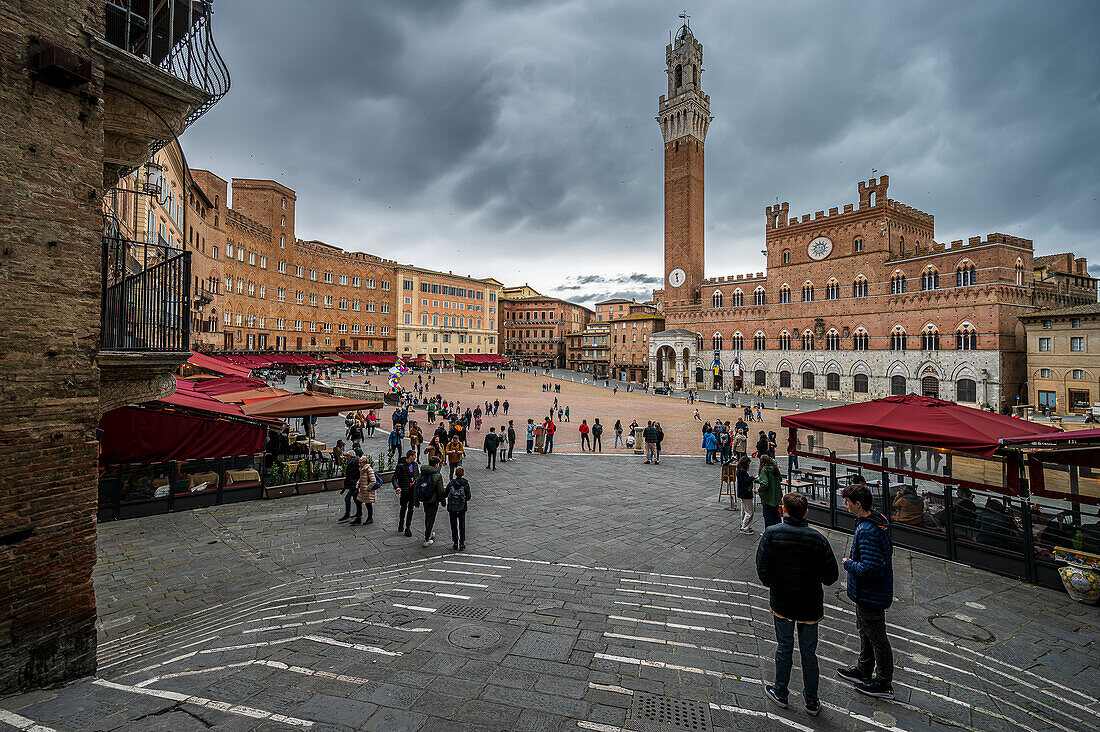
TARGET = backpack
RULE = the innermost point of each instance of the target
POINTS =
(424, 488)
(597, 429)
(456, 498)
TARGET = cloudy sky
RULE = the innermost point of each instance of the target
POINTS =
(517, 138)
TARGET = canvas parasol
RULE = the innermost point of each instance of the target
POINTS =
(252, 395)
(307, 404)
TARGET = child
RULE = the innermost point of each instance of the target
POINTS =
(458, 495)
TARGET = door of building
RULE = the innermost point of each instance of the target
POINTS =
(930, 387)
(1078, 400)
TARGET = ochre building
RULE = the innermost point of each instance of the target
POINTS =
(1063, 359)
(441, 314)
(856, 302)
(533, 328)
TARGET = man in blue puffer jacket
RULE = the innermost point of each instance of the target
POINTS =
(871, 588)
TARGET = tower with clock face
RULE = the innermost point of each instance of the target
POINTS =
(684, 115)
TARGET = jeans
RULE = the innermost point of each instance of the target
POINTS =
(492, 464)
(794, 461)
(650, 452)
(874, 645)
(710, 457)
(746, 512)
(511, 447)
(349, 495)
(458, 527)
(619, 439)
(597, 443)
(405, 517)
(530, 444)
(549, 442)
(784, 651)
(453, 467)
(429, 519)
(584, 441)
(771, 515)
(725, 454)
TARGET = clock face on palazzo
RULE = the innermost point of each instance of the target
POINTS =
(677, 277)
(820, 247)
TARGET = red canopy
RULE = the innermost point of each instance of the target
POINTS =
(369, 359)
(307, 404)
(252, 395)
(488, 358)
(218, 364)
(918, 420)
(228, 384)
(1087, 436)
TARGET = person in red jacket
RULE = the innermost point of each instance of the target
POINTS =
(584, 435)
(549, 429)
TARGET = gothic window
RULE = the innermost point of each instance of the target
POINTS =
(807, 341)
(930, 280)
(807, 379)
(679, 76)
(785, 342)
(897, 339)
(857, 245)
(966, 338)
(738, 341)
(832, 382)
(860, 340)
(808, 292)
(759, 377)
(1019, 271)
(759, 342)
(785, 379)
(859, 287)
(786, 256)
(716, 299)
(897, 385)
(832, 340)
(966, 390)
(859, 384)
(965, 274)
(930, 338)
(784, 294)
(738, 298)
(758, 297)
(832, 290)
(717, 341)
(897, 283)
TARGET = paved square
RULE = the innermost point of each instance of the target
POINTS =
(590, 584)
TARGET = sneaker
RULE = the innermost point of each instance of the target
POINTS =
(432, 537)
(813, 708)
(454, 547)
(656, 462)
(427, 543)
(770, 692)
(408, 532)
(747, 531)
(647, 462)
(853, 675)
(369, 521)
(462, 547)
(875, 688)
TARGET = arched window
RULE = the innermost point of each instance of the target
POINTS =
(930, 338)
(832, 290)
(965, 274)
(758, 296)
(857, 245)
(859, 384)
(738, 298)
(695, 75)
(966, 338)
(786, 256)
(808, 292)
(679, 76)
(738, 341)
(807, 379)
(832, 340)
(966, 390)
(785, 293)
(832, 382)
(1019, 271)
(897, 339)
(859, 287)
(897, 283)
(897, 385)
(860, 339)
(807, 340)
(784, 379)
(785, 341)
(930, 279)
(716, 298)
(930, 387)
(759, 342)
(759, 377)
(717, 341)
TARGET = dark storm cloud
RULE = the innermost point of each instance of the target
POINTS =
(518, 139)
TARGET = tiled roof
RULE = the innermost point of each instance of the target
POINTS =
(639, 316)
(1089, 308)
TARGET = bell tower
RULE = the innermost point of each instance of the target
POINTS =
(684, 115)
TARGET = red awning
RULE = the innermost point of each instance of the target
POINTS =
(252, 395)
(228, 384)
(369, 359)
(218, 364)
(918, 420)
(481, 358)
(307, 404)
(1060, 438)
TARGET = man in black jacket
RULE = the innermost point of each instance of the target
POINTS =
(511, 435)
(794, 561)
(405, 476)
(351, 485)
(649, 434)
(492, 442)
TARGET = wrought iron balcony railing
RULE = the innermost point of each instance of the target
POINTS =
(145, 296)
(173, 35)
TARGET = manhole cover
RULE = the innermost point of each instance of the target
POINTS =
(396, 541)
(473, 637)
(961, 628)
(652, 713)
(454, 610)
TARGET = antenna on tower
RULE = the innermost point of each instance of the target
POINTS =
(873, 171)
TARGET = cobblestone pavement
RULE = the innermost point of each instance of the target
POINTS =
(598, 593)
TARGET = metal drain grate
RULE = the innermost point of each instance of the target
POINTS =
(652, 713)
(454, 610)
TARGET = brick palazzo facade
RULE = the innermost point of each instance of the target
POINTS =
(534, 328)
(856, 303)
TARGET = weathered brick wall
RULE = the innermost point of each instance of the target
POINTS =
(684, 209)
(51, 156)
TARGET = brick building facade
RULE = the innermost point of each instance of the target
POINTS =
(630, 336)
(533, 329)
(855, 303)
(441, 314)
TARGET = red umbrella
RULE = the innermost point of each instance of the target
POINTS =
(307, 404)
(252, 395)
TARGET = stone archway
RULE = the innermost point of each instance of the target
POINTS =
(666, 364)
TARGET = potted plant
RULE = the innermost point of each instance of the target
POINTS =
(278, 481)
(384, 466)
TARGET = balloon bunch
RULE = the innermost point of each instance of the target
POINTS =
(398, 370)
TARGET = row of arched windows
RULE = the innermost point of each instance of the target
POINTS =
(966, 339)
(966, 390)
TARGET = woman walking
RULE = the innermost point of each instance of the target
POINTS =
(660, 438)
(744, 492)
(458, 496)
(455, 453)
(368, 492)
(771, 494)
(416, 438)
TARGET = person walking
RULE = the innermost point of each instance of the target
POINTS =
(531, 429)
(505, 405)
(405, 476)
(566, 412)
(745, 494)
(368, 492)
(771, 495)
(740, 445)
(511, 438)
(762, 446)
(795, 562)
(871, 587)
(619, 441)
(710, 444)
(458, 499)
(431, 412)
(492, 442)
(584, 429)
(455, 452)
(395, 440)
(429, 493)
(660, 439)
(649, 434)
(549, 428)
(351, 485)
(416, 438)
(597, 433)
(502, 444)
(696, 416)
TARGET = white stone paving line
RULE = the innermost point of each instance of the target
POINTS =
(434, 594)
(643, 605)
(256, 662)
(208, 704)
(417, 608)
(448, 582)
(460, 571)
(385, 625)
(683, 597)
(475, 564)
(22, 723)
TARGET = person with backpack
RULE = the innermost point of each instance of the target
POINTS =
(503, 444)
(531, 430)
(455, 452)
(597, 432)
(429, 493)
(795, 563)
(771, 494)
(492, 442)
(584, 429)
(404, 477)
(744, 493)
(511, 438)
(351, 485)
(740, 445)
(549, 428)
(431, 412)
(871, 587)
(710, 444)
(650, 436)
(619, 442)
(367, 493)
(458, 497)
